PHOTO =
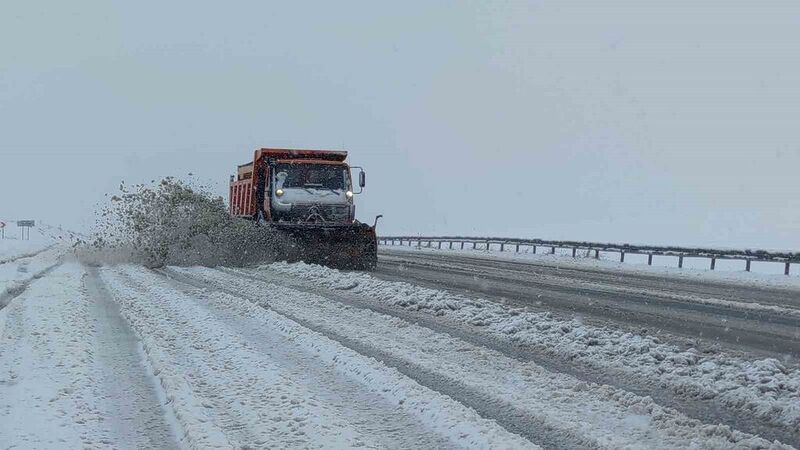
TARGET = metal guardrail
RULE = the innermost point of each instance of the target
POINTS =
(786, 258)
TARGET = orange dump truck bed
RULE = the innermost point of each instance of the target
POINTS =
(242, 199)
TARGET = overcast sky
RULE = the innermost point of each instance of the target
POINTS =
(668, 122)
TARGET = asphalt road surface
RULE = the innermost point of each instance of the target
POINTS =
(711, 313)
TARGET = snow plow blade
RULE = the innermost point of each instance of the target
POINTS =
(350, 246)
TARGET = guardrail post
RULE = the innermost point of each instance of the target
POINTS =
(574, 250)
(621, 256)
(650, 259)
(517, 249)
(502, 246)
(552, 250)
(713, 263)
(474, 245)
(440, 245)
(487, 246)
(451, 245)
(786, 268)
(534, 249)
(747, 266)
(596, 254)
(680, 262)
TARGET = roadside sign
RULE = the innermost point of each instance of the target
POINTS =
(2, 224)
(26, 223)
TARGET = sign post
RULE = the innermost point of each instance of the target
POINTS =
(2, 230)
(26, 225)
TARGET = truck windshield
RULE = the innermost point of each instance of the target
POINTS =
(323, 176)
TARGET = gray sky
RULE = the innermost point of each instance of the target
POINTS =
(674, 122)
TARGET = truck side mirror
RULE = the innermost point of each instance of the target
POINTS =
(362, 179)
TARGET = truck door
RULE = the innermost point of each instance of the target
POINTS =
(262, 187)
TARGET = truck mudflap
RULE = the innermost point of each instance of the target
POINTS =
(348, 246)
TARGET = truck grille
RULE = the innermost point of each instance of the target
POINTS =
(327, 213)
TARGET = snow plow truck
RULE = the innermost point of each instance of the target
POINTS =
(304, 199)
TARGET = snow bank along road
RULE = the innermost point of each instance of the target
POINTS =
(294, 355)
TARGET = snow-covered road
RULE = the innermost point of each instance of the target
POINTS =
(299, 356)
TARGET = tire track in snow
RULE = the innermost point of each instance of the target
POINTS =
(700, 409)
(49, 394)
(122, 380)
(486, 406)
(485, 383)
(42, 369)
(179, 309)
(352, 401)
(193, 371)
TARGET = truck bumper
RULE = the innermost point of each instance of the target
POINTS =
(346, 246)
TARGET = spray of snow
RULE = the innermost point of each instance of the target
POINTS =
(174, 223)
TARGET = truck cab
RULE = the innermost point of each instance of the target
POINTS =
(311, 191)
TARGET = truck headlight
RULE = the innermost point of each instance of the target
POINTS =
(349, 194)
(279, 193)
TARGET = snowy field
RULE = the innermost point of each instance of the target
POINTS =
(301, 356)
(16, 248)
